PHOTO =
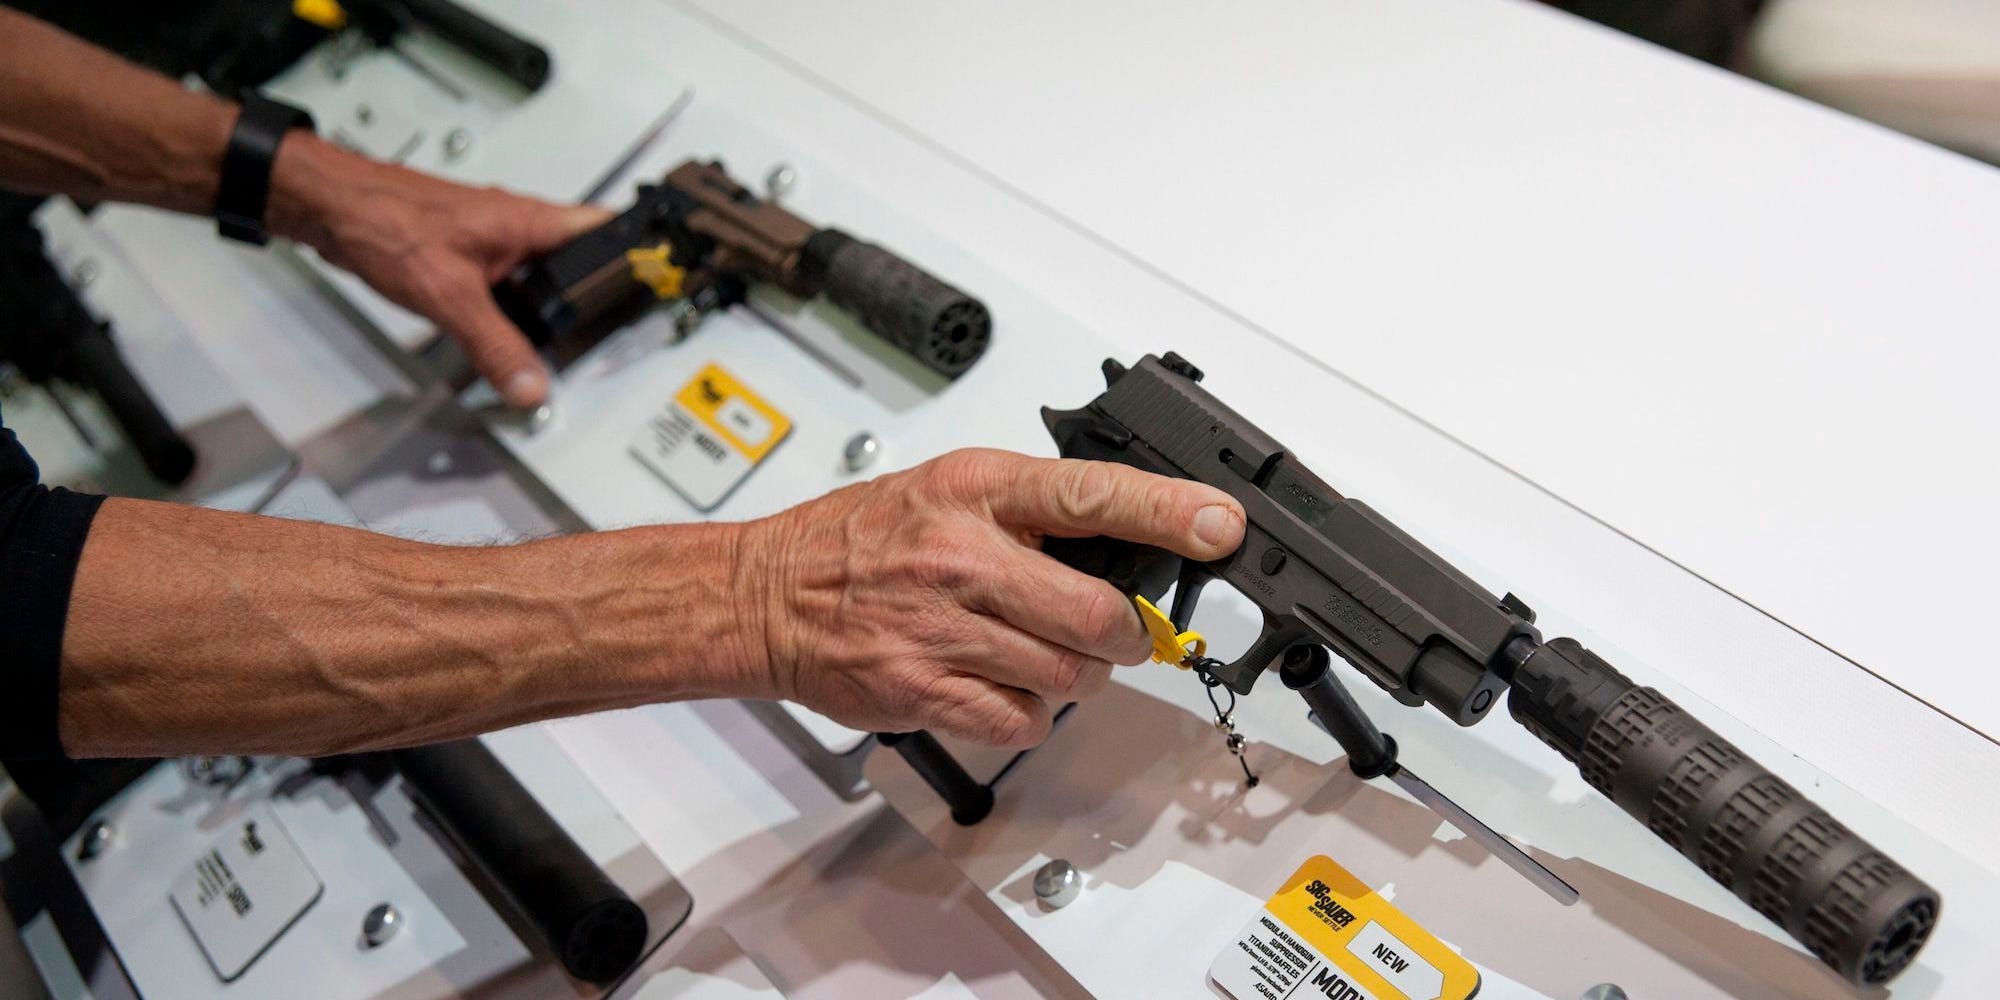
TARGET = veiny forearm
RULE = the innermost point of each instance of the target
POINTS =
(77, 120)
(197, 631)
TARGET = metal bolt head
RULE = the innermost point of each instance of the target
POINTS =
(380, 925)
(96, 840)
(779, 181)
(85, 273)
(456, 142)
(1057, 884)
(861, 451)
(1604, 991)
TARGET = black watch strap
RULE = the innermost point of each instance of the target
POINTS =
(245, 185)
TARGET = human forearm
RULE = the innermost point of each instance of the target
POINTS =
(77, 120)
(198, 631)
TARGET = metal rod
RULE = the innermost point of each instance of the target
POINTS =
(1496, 845)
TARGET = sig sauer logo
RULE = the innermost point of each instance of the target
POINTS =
(1355, 620)
(1326, 908)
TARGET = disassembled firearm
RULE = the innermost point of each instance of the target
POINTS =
(1328, 573)
(702, 239)
(49, 334)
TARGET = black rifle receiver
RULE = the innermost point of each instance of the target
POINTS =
(1326, 570)
(48, 333)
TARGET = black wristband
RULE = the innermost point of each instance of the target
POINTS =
(245, 184)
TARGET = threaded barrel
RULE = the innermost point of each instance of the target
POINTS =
(942, 327)
(1852, 906)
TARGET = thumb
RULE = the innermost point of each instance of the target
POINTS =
(1074, 499)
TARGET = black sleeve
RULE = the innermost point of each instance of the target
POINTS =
(41, 540)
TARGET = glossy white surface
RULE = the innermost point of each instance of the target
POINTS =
(1751, 333)
(1082, 176)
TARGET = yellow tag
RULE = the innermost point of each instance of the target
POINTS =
(729, 408)
(1169, 646)
(326, 14)
(654, 268)
(1327, 935)
(709, 436)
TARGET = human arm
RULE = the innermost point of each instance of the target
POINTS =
(77, 120)
(917, 600)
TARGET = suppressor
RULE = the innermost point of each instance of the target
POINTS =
(592, 926)
(1850, 904)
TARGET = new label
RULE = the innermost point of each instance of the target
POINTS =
(1326, 934)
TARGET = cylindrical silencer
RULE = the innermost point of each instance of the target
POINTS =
(942, 327)
(592, 926)
(517, 58)
(1851, 905)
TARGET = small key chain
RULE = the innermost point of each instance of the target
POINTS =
(1225, 716)
(1186, 650)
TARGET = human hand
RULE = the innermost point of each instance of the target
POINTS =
(427, 244)
(920, 600)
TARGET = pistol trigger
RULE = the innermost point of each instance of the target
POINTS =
(1187, 592)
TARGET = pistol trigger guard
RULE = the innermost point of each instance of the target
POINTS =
(1278, 636)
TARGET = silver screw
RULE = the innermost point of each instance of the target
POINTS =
(96, 840)
(85, 273)
(456, 142)
(861, 451)
(541, 418)
(686, 318)
(438, 463)
(1604, 991)
(1057, 884)
(779, 182)
(380, 925)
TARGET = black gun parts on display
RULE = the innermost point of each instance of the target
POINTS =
(245, 47)
(1328, 573)
(595, 930)
(701, 238)
(49, 334)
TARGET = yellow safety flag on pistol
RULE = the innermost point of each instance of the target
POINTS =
(327, 14)
(1169, 646)
(654, 267)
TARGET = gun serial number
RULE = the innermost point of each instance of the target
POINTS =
(1249, 576)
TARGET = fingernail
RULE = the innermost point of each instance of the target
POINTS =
(524, 388)
(1216, 525)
